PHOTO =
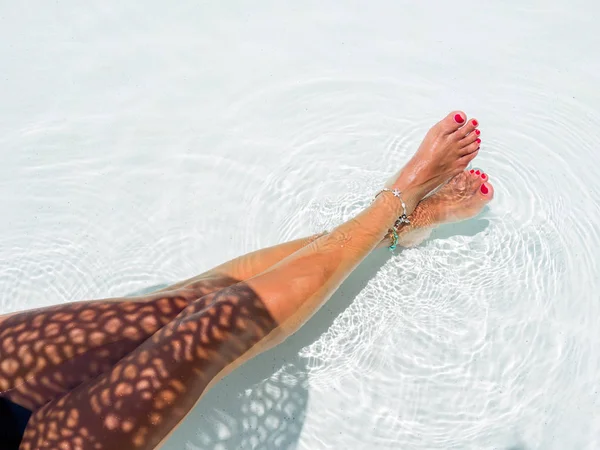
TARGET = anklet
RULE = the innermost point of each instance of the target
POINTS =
(403, 218)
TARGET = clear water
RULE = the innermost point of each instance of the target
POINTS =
(145, 143)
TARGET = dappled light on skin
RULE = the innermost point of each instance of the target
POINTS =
(142, 397)
(45, 353)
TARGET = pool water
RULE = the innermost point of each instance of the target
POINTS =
(144, 143)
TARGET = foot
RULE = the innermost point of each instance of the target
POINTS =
(462, 198)
(447, 149)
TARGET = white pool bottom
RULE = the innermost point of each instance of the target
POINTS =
(141, 145)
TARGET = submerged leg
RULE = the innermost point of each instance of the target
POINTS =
(47, 352)
(139, 401)
(143, 396)
(62, 363)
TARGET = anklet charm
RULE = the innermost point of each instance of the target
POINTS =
(402, 219)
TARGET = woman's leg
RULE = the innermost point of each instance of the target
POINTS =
(250, 264)
(47, 352)
(140, 400)
(55, 337)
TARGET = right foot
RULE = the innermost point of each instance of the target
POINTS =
(462, 198)
(446, 150)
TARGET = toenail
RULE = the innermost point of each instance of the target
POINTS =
(472, 170)
(478, 172)
(477, 132)
(483, 176)
(458, 118)
(475, 123)
(484, 189)
(478, 140)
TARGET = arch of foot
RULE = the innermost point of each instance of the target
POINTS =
(47, 352)
(142, 397)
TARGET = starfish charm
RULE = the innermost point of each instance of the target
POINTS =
(397, 193)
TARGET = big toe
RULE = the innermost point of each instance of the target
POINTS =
(453, 121)
(486, 191)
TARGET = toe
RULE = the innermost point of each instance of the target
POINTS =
(475, 179)
(487, 191)
(471, 147)
(469, 130)
(463, 141)
(453, 121)
(472, 137)
(479, 174)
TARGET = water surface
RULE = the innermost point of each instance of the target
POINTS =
(142, 144)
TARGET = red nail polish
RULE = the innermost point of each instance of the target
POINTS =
(484, 189)
(478, 172)
(477, 132)
(472, 170)
(478, 140)
(458, 118)
(483, 176)
(475, 123)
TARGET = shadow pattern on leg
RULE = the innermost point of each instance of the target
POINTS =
(146, 394)
(45, 353)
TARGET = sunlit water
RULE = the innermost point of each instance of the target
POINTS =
(144, 144)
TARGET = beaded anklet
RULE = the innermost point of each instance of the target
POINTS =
(401, 220)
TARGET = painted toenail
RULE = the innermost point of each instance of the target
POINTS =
(472, 170)
(478, 140)
(483, 176)
(484, 189)
(477, 132)
(458, 118)
(475, 123)
(478, 172)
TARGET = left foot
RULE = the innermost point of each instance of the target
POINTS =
(462, 198)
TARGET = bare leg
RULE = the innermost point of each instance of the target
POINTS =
(76, 342)
(250, 264)
(47, 352)
(126, 323)
(139, 401)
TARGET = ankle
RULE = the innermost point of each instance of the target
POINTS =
(412, 191)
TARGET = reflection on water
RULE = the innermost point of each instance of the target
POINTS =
(247, 411)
